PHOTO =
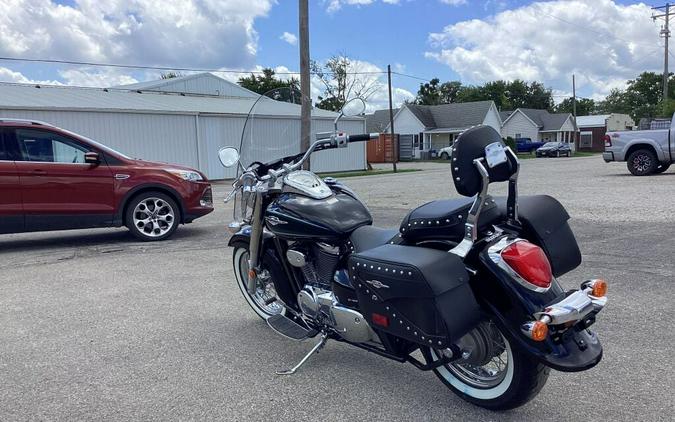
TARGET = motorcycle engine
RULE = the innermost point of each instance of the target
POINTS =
(317, 302)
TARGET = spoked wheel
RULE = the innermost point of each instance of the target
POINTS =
(492, 373)
(264, 301)
(152, 216)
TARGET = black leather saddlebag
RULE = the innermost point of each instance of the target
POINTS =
(545, 223)
(419, 294)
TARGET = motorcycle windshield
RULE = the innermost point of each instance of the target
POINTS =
(272, 127)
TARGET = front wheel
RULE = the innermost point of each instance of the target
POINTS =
(492, 373)
(152, 216)
(264, 301)
(445, 156)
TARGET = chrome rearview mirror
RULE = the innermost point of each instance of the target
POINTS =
(353, 107)
(228, 156)
(495, 154)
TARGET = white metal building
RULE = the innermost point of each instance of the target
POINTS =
(156, 123)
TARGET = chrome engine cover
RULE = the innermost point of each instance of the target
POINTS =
(320, 306)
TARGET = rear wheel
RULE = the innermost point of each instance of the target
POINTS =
(493, 373)
(445, 156)
(264, 301)
(642, 162)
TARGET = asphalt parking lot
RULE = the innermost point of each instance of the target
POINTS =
(95, 325)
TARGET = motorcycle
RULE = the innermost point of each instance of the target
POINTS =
(471, 283)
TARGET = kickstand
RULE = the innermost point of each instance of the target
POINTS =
(315, 349)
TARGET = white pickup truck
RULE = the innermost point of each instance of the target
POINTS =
(646, 151)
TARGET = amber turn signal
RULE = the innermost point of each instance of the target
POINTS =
(536, 330)
(251, 274)
(599, 288)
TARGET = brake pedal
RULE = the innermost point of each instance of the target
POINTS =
(288, 328)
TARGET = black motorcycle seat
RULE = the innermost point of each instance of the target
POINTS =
(444, 219)
(369, 237)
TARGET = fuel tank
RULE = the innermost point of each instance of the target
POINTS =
(296, 216)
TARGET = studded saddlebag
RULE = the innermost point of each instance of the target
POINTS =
(419, 294)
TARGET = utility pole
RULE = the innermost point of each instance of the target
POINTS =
(574, 107)
(665, 33)
(305, 89)
(394, 144)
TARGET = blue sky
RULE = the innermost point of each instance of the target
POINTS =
(604, 42)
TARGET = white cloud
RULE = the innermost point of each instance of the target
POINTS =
(335, 5)
(602, 42)
(160, 32)
(289, 38)
(96, 77)
(8, 75)
(454, 2)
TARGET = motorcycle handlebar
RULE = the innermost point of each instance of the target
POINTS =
(363, 137)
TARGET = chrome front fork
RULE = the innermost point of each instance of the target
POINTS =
(254, 245)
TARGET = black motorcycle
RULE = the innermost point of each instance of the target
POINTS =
(469, 282)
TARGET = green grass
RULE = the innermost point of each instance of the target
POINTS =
(357, 173)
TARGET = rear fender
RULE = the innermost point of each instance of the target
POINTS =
(512, 305)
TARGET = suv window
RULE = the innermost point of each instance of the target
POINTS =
(44, 146)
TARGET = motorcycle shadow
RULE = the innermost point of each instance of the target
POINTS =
(380, 387)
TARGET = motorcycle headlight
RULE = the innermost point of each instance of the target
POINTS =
(189, 175)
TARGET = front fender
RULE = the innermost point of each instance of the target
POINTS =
(244, 236)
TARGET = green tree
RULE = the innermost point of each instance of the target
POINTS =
(615, 102)
(429, 93)
(434, 93)
(585, 106)
(266, 82)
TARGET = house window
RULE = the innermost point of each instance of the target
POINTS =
(519, 135)
(586, 140)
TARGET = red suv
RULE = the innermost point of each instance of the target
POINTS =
(52, 179)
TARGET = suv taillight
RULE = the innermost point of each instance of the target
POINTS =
(608, 141)
(530, 262)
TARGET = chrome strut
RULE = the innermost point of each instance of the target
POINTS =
(315, 349)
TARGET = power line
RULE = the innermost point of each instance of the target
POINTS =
(183, 69)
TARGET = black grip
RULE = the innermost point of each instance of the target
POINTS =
(362, 137)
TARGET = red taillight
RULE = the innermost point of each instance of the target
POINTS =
(381, 320)
(530, 262)
(608, 141)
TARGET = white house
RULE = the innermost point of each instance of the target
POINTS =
(436, 127)
(538, 125)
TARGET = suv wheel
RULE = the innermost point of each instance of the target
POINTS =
(445, 156)
(152, 216)
(642, 162)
